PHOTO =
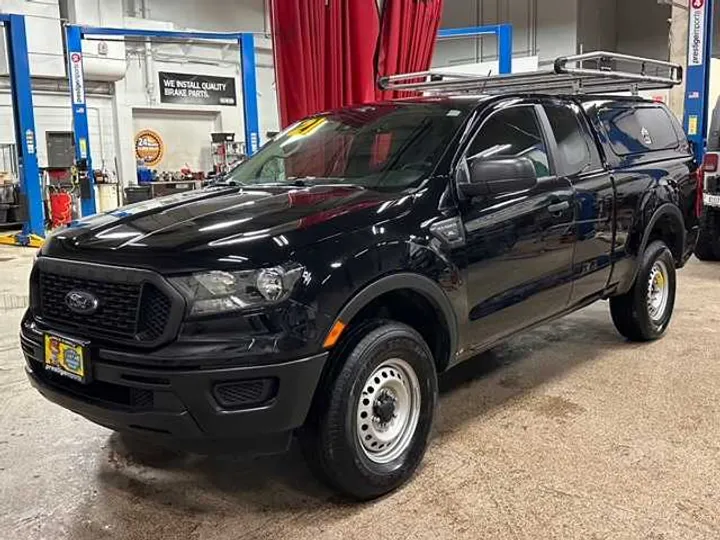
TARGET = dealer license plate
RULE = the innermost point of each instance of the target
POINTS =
(711, 200)
(66, 357)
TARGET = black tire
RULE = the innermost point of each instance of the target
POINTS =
(708, 244)
(331, 441)
(631, 312)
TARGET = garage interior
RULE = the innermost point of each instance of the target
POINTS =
(566, 430)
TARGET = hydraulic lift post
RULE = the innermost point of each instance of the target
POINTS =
(81, 132)
(31, 199)
(697, 90)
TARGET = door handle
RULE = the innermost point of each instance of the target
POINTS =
(558, 208)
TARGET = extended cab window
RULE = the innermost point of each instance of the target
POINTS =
(576, 150)
(512, 132)
(634, 130)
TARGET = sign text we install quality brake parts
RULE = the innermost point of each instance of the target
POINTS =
(182, 88)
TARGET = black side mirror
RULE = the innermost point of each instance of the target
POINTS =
(497, 176)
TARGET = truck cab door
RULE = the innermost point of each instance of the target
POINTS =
(578, 160)
(519, 245)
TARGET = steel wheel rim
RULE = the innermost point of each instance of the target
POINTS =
(388, 411)
(658, 291)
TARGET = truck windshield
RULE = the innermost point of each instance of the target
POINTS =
(387, 146)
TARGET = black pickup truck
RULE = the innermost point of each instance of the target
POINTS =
(353, 259)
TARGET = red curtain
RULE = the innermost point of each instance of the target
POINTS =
(407, 38)
(329, 53)
(324, 52)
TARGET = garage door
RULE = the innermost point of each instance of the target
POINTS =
(183, 135)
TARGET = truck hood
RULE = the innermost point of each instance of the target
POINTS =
(250, 221)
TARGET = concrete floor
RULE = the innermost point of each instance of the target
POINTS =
(565, 432)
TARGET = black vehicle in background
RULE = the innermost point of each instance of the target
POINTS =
(361, 253)
(708, 246)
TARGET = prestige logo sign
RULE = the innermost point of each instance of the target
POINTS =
(697, 33)
(76, 77)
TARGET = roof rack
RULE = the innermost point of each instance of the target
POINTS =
(589, 73)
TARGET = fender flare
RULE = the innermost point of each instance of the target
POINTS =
(418, 283)
(666, 209)
(661, 212)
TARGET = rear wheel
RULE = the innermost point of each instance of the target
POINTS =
(708, 244)
(367, 437)
(644, 312)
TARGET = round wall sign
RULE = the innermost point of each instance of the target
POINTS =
(149, 147)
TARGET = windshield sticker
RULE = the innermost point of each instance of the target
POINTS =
(454, 112)
(307, 127)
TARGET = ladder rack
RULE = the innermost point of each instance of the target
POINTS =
(590, 73)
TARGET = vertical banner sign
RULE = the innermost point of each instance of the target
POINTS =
(697, 33)
(697, 77)
(77, 79)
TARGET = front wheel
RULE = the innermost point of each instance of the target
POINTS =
(644, 312)
(370, 433)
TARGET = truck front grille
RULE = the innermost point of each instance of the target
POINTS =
(128, 311)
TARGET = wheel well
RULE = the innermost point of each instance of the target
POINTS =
(670, 231)
(414, 309)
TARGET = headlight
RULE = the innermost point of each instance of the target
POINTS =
(219, 291)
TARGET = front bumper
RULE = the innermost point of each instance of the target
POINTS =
(252, 408)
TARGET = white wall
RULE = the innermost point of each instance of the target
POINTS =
(643, 28)
(597, 25)
(552, 28)
(546, 28)
(42, 24)
(52, 113)
(211, 15)
(185, 135)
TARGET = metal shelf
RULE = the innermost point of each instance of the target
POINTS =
(591, 73)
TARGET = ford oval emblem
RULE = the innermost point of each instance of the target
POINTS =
(81, 302)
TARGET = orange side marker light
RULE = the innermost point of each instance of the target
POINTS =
(334, 334)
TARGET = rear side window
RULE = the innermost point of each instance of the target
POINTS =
(635, 130)
(575, 152)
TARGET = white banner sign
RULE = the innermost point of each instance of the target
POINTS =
(696, 43)
(77, 81)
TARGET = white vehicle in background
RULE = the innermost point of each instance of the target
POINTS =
(708, 246)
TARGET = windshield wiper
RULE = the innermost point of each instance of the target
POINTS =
(225, 182)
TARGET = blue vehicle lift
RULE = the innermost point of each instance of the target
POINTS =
(504, 33)
(76, 34)
(697, 78)
(28, 171)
